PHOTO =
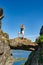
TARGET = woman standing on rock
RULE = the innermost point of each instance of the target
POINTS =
(21, 30)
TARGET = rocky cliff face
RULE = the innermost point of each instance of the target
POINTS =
(5, 55)
(36, 57)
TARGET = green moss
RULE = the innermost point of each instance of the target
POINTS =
(41, 38)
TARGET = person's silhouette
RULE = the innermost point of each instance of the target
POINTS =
(21, 30)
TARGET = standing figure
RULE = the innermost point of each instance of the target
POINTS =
(21, 30)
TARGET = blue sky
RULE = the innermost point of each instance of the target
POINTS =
(27, 12)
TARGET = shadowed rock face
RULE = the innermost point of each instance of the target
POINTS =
(41, 31)
(35, 58)
(5, 55)
(1, 11)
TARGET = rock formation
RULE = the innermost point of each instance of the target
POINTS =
(36, 57)
(41, 30)
(5, 54)
(7, 44)
(18, 43)
(23, 44)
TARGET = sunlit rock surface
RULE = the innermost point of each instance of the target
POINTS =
(5, 55)
(23, 44)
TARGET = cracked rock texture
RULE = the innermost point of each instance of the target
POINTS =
(5, 54)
